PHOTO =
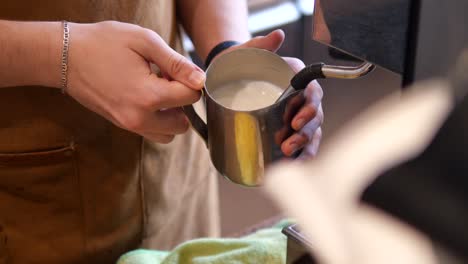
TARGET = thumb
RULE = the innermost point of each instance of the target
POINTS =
(271, 42)
(172, 64)
(181, 69)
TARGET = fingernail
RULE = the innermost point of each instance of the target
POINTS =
(294, 146)
(197, 79)
(300, 123)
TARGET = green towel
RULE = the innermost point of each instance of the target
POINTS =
(264, 246)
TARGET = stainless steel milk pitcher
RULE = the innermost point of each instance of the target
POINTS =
(243, 143)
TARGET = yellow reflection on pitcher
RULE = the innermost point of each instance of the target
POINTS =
(248, 148)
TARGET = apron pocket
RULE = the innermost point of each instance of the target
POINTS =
(40, 205)
(36, 158)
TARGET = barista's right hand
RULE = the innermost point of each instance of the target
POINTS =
(109, 73)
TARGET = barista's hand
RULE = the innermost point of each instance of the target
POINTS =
(309, 118)
(110, 73)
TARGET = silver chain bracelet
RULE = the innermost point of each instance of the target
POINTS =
(66, 43)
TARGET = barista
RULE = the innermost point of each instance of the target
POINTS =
(109, 165)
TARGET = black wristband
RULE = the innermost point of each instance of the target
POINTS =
(218, 49)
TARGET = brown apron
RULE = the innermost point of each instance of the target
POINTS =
(76, 189)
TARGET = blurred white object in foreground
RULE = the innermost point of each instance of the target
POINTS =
(323, 194)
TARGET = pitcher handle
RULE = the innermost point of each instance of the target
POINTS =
(197, 123)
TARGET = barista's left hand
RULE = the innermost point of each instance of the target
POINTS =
(309, 118)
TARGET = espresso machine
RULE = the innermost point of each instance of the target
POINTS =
(416, 40)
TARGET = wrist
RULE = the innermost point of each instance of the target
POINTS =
(50, 74)
(30, 53)
(218, 49)
(41, 46)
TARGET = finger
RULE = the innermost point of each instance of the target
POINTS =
(293, 105)
(281, 135)
(271, 42)
(310, 110)
(305, 115)
(153, 48)
(294, 143)
(313, 94)
(301, 138)
(295, 63)
(159, 138)
(169, 122)
(313, 90)
(169, 94)
(311, 149)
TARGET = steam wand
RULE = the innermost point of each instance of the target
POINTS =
(322, 71)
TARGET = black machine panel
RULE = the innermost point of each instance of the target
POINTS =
(374, 31)
(418, 39)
